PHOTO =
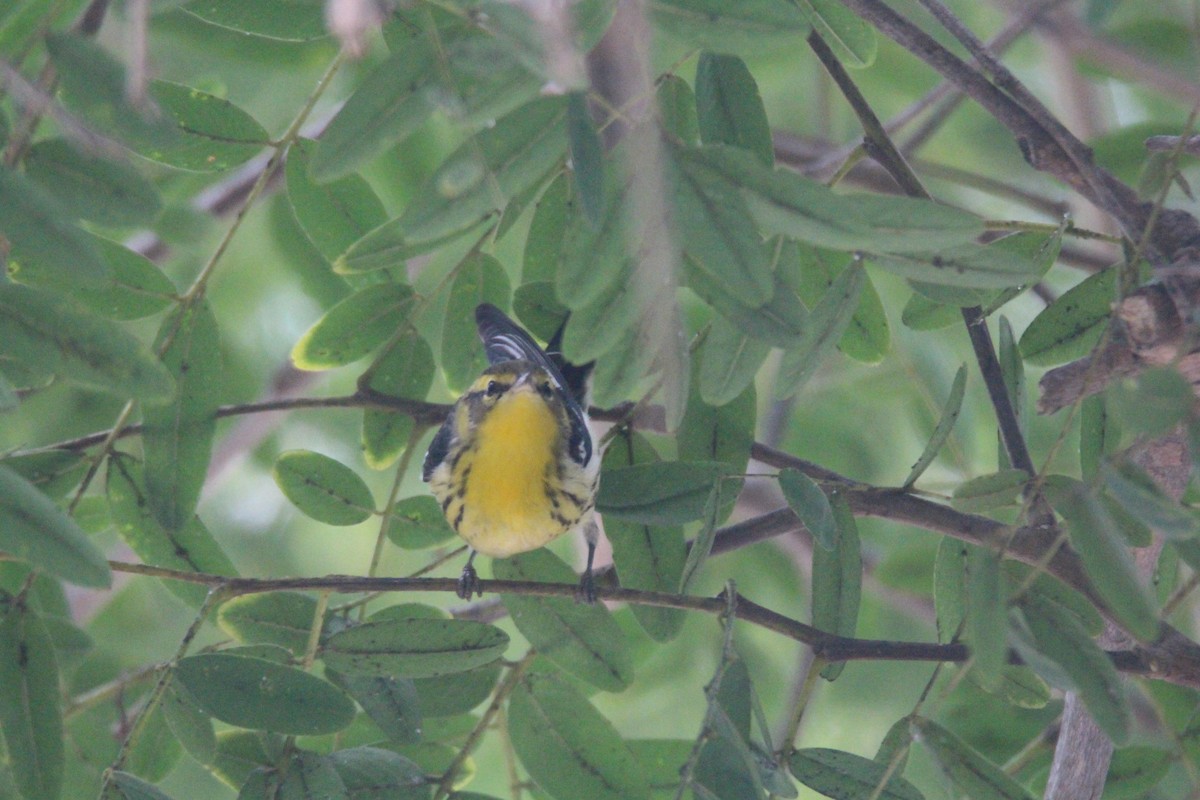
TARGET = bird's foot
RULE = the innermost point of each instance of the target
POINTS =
(587, 589)
(469, 583)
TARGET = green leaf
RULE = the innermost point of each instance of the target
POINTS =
(729, 361)
(450, 695)
(1153, 403)
(567, 747)
(336, 214)
(986, 615)
(214, 134)
(323, 488)
(646, 557)
(701, 545)
(54, 335)
(849, 36)
(945, 425)
(190, 547)
(1099, 434)
(722, 434)
(30, 713)
(809, 503)
(545, 238)
(310, 776)
(922, 314)
(417, 523)
(392, 703)
(1108, 562)
(93, 85)
(728, 106)
(718, 234)
(156, 751)
(239, 753)
(41, 236)
(668, 493)
(537, 308)
(1017, 685)
(131, 787)
(587, 157)
(609, 324)
(745, 27)
(413, 648)
(988, 492)
(191, 726)
(177, 436)
(390, 103)
(293, 21)
(785, 203)
(727, 767)
(867, 338)
(973, 774)
(278, 618)
(1070, 326)
(969, 266)
(1055, 590)
(1135, 771)
(387, 247)
(949, 587)
(837, 580)
(582, 639)
(258, 694)
(1137, 495)
(781, 321)
(137, 288)
(404, 369)
(354, 327)
(1060, 636)
(96, 189)
(34, 529)
(826, 323)
(845, 776)
(370, 773)
(593, 254)
(480, 278)
(478, 179)
(677, 109)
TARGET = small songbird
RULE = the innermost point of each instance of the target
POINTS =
(513, 465)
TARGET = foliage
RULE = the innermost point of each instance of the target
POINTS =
(237, 297)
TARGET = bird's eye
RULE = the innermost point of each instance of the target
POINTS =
(494, 389)
(545, 390)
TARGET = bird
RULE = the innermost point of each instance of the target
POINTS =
(514, 465)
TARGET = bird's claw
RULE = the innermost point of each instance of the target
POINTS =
(587, 589)
(469, 583)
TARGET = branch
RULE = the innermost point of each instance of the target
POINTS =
(1046, 145)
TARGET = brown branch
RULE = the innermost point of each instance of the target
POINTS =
(1045, 144)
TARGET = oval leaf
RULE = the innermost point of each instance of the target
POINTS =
(583, 639)
(34, 529)
(30, 711)
(973, 774)
(845, 776)
(1109, 564)
(413, 648)
(669, 493)
(190, 547)
(51, 334)
(567, 747)
(729, 109)
(1069, 327)
(810, 505)
(262, 695)
(354, 327)
(177, 436)
(323, 488)
(941, 431)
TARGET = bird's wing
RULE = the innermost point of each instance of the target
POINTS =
(438, 448)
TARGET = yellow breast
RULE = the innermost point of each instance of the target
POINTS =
(505, 506)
